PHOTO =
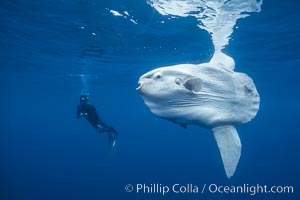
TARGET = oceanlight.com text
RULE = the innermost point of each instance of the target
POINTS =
(250, 189)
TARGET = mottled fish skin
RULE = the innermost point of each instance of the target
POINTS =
(200, 94)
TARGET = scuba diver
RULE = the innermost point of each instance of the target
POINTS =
(88, 111)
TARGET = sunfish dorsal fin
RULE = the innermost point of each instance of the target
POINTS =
(230, 147)
(220, 59)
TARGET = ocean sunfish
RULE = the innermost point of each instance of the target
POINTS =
(210, 95)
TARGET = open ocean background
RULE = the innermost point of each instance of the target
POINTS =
(47, 153)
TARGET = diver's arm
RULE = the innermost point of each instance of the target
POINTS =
(79, 112)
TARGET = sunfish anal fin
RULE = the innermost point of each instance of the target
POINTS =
(230, 147)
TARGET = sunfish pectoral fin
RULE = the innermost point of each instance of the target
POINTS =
(230, 147)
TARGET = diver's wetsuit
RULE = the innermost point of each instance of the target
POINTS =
(89, 112)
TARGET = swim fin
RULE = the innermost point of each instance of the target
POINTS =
(112, 139)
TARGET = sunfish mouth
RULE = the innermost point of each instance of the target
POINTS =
(139, 86)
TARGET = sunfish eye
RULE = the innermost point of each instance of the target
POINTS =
(178, 81)
(158, 76)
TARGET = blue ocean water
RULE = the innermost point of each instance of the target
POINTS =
(47, 153)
